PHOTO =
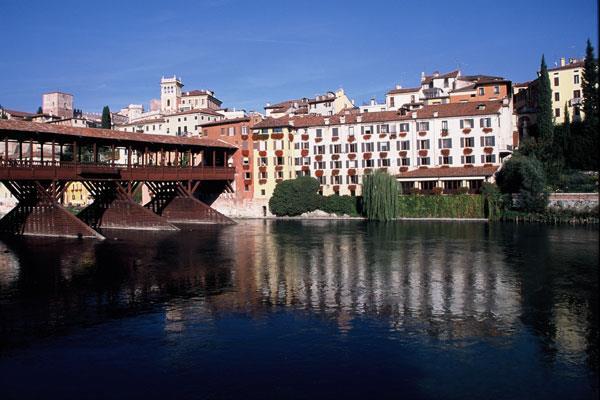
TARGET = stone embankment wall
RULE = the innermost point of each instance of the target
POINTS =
(235, 208)
(573, 201)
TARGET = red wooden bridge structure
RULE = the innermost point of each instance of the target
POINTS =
(38, 161)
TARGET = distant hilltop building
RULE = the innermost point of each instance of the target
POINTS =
(178, 112)
(329, 103)
(58, 104)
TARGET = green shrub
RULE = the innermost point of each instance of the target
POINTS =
(524, 176)
(459, 206)
(380, 196)
(295, 196)
(462, 190)
(340, 205)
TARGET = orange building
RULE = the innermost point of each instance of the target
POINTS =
(237, 131)
(481, 88)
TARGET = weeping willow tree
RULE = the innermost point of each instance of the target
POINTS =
(380, 196)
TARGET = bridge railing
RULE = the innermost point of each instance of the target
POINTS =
(69, 170)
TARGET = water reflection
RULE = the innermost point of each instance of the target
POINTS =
(456, 284)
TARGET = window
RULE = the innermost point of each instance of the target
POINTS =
(278, 130)
(351, 131)
(392, 101)
(576, 94)
(403, 145)
(423, 161)
(245, 161)
(322, 180)
(446, 83)
(485, 122)
(557, 112)
(247, 175)
(405, 161)
(496, 89)
(467, 123)
(319, 149)
(351, 163)
(556, 96)
(336, 180)
(488, 141)
(231, 131)
(351, 148)
(488, 158)
(556, 81)
(467, 142)
(467, 159)
(446, 160)
(319, 133)
(366, 130)
(422, 126)
(278, 160)
(244, 130)
(222, 131)
(481, 91)
(384, 162)
(368, 163)
(368, 147)
(336, 164)
(445, 143)
(320, 165)
(334, 132)
(263, 161)
(383, 146)
(382, 128)
(445, 125)
(576, 79)
(352, 179)
(404, 127)
(263, 175)
(423, 144)
(335, 148)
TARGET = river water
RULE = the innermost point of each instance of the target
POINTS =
(303, 309)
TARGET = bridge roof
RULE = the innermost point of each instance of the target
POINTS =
(107, 135)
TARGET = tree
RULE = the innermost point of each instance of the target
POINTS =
(590, 89)
(524, 176)
(106, 122)
(295, 196)
(40, 110)
(2, 114)
(544, 121)
(380, 196)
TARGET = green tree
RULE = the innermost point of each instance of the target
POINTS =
(590, 89)
(106, 122)
(380, 196)
(295, 196)
(39, 110)
(2, 114)
(545, 120)
(524, 176)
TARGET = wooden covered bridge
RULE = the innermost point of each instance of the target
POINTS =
(38, 161)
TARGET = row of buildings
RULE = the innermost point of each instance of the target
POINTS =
(452, 131)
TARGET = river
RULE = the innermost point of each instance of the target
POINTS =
(303, 309)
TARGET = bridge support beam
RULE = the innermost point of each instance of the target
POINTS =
(39, 213)
(176, 202)
(114, 207)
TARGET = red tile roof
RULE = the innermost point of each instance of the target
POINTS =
(15, 113)
(448, 172)
(106, 134)
(227, 121)
(451, 74)
(403, 90)
(576, 64)
(207, 111)
(196, 93)
(443, 110)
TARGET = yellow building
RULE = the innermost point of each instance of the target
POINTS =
(76, 195)
(565, 81)
(273, 155)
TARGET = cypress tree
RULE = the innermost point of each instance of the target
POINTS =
(380, 196)
(2, 115)
(545, 123)
(590, 106)
(39, 110)
(106, 122)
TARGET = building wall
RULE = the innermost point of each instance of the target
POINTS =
(569, 82)
(490, 92)
(57, 103)
(269, 144)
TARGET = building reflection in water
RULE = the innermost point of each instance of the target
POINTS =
(450, 282)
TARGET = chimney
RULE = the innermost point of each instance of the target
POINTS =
(372, 101)
(422, 76)
(435, 114)
(398, 87)
(562, 61)
(342, 119)
(326, 120)
(414, 115)
(359, 118)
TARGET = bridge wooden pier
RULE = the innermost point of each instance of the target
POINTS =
(38, 161)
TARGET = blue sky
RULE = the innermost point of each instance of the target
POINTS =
(252, 52)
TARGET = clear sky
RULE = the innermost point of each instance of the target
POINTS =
(252, 52)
